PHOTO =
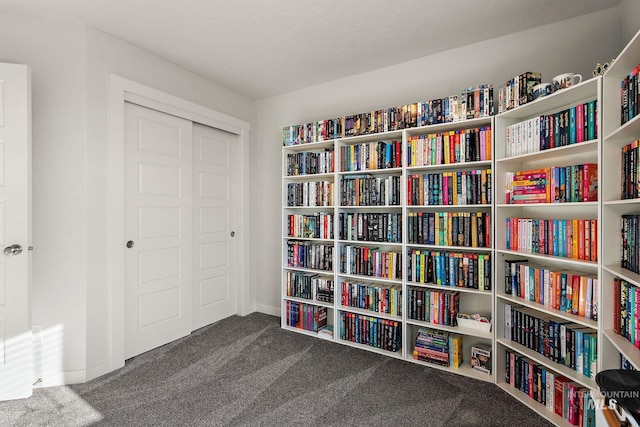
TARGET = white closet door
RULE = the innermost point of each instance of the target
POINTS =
(158, 226)
(215, 198)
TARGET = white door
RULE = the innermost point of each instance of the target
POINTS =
(214, 222)
(158, 226)
(16, 347)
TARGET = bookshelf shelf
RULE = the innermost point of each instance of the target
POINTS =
(394, 354)
(621, 128)
(455, 329)
(548, 310)
(449, 288)
(465, 370)
(448, 166)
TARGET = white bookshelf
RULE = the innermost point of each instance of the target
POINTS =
(527, 158)
(616, 135)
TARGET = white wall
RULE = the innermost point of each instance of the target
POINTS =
(629, 19)
(55, 54)
(574, 45)
(70, 65)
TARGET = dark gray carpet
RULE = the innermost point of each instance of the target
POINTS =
(247, 371)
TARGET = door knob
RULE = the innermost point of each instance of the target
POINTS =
(13, 250)
(130, 244)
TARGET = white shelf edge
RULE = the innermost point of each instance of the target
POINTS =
(572, 149)
(454, 329)
(548, 310)
(623, 346)
(369, 313)
(623, 273)
(568, 261)
(464, 369)
(449, 288)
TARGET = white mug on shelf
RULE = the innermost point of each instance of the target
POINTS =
(565, 80)
(541, 89)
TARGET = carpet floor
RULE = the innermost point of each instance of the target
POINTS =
(247, 371)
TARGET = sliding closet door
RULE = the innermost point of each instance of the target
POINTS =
(215, 213)
(158, 226)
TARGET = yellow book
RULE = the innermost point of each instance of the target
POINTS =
(445, 147)
(474, 230)
(423, 267)
(454, 193)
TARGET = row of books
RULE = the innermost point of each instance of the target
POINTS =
(569, 126)
(630, 95)
(453, 147)
(473, 102)
(630, 177)
(314, 226)
(555, 184)
(372, 331)
(314, 193)
(304, 254)
(558, 394)
(371, 296)
(305, 316)
(517, 91)
(563, 342)
(626, 310)
(466, 187)
(567, 291)
(364, 190)
(468, 229)
(371, 226)
(309, 286)
(371, 156)
(370, 261)
(565, 238)
(439, 307)
(630, 257)
(456, 269)
(310, 163)
(438, 347)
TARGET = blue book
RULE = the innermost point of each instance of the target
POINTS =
(572, 125)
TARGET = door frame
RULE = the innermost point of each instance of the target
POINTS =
(122, 90)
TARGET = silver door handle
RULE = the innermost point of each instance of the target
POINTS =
(13, 250)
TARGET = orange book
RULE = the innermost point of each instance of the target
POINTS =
(575, 242)
(582, 298)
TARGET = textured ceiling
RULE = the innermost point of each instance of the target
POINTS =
(262, 48)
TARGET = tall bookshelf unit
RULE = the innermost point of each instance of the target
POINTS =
(525, 232)
(618, 133)
(461, 260)
(371, 209)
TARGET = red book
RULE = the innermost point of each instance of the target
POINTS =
(558, 394)
(590, 182)
(616, 305)
(594, 240)
(579, 123)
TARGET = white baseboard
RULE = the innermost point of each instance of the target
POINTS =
(267, 309)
